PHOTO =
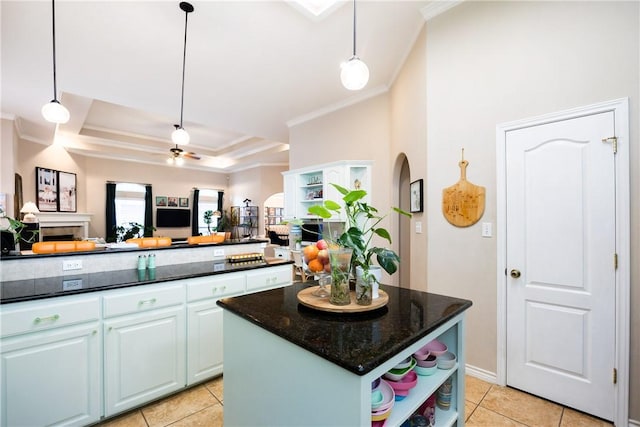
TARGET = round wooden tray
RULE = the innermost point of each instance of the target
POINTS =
(306, 298)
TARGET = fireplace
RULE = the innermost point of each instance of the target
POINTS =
(63, 224)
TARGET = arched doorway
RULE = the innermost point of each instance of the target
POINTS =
(402, 180)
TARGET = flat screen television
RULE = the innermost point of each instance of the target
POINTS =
(311, 232)
(173, 218)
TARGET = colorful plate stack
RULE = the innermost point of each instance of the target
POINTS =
(402, 378)
(382, 400)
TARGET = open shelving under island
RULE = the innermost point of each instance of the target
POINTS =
(290, 365)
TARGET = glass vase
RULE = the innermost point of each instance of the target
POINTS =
(364, 286)
(340, 260)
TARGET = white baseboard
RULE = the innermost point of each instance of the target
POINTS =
(481, 374)
(634, 423)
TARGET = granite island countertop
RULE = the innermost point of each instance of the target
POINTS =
(358, 342)
(48, 287)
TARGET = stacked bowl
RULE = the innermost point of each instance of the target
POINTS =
(382, 400)
(402, 377)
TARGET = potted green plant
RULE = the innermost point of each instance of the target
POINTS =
(132, 230)
(19, 230)
(208, 219)
(362, 225)
(224, 224)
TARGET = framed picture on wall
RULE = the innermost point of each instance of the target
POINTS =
(161, 201)
(67, 197)
(184, 202)
(172, 202)
(46, 189)
(416, 204)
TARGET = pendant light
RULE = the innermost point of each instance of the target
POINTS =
(54, 111)
(355, 73)
(179, 135)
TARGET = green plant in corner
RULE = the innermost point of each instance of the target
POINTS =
(132, 230)
(19, 229)
(208, 219)
(361, 227)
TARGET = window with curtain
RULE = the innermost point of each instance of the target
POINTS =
(207, 201)
(130, 203)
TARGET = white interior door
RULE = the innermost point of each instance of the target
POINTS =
(560, 246)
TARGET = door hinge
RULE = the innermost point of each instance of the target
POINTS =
(615, 261)
(614, 143)
(615, 376)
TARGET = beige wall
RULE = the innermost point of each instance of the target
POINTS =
(8, 157)
(409, 138)
(494, 62)
(359, 132)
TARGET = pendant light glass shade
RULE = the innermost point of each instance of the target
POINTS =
(180, 136)
(55, 112)
(354, 74)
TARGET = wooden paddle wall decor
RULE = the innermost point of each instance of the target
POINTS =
(463, 202)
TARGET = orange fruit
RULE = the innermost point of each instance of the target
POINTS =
(315, 265)
(310, 252)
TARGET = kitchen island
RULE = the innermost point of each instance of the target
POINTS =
(286, 364)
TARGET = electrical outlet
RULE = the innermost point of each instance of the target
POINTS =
(218, 252)
(72, 265)
(71, 284)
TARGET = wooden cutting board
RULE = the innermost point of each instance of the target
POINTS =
(463, 202)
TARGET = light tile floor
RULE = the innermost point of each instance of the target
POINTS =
(486, 404)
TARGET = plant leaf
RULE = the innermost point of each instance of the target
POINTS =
(321, 211)
(382, 232)
(354, 196)
(340, 188)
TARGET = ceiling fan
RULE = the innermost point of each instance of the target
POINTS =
(178, 155)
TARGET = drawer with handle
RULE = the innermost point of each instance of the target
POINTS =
(267, 278)
(216, 286)
(44, 314)
(142, 299)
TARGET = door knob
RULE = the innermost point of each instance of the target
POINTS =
(515, 273)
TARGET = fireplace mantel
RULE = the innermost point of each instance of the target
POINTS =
(65, 219)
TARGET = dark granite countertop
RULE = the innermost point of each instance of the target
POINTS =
(48, 287)
(358, 342)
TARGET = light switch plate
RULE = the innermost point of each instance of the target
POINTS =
(418, 226)
(487, 229)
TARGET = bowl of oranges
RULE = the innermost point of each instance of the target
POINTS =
(316, 257)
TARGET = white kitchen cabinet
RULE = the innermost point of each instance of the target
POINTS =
(144, 345)
(204, 323)
(51, 363)
(269, 278)
(312, 186)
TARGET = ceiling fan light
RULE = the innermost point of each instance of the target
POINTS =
(179, 161)
(55, 112)
(354, 74)
(180, 136)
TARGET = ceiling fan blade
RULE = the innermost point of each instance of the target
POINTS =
(193, 156)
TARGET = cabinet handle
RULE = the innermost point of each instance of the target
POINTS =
(94, 332)
(224, 288)
(43, 319)
(147, 301)
(213, 290)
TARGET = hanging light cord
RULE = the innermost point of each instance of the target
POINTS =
(354, 27)
(53, 18)
(184, 61)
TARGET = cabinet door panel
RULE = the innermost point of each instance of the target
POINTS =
(52, 378)
(204, 341)
(144, 357)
